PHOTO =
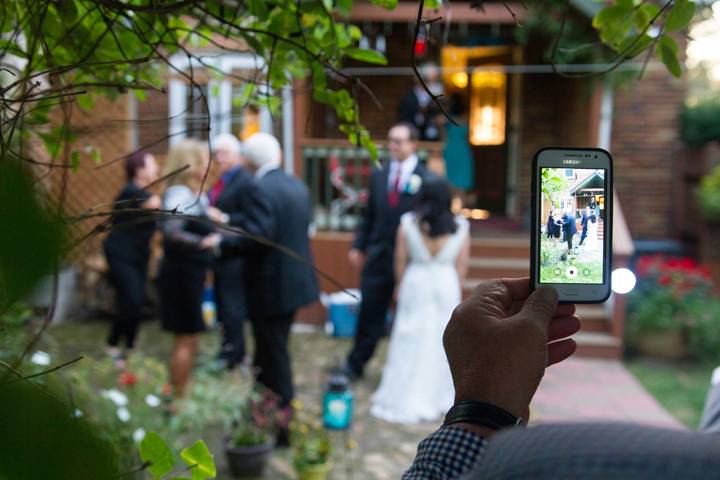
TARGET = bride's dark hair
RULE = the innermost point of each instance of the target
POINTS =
(433, 206)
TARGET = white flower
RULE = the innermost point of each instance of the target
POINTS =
(116, 396)
(40, 358)
(138, 435)
(414, 183)
(77, 413)
(123, 414)
(152, 400)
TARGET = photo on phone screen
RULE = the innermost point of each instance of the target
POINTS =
(572, 225)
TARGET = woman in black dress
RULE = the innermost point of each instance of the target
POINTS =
(184, 265)
(127, 250)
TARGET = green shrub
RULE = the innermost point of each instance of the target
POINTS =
(700, 124)
(708, 195)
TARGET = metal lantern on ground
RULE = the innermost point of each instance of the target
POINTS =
(338, 402)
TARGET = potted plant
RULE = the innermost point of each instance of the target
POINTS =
(663, 308)
(248, 446)
(311, 446)
(708, 198)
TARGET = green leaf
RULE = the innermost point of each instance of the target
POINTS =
(85, 101)
(31, 245)
(258, 8)
(199, 458)
(367, 56)
(644, 15)
(635, 45)
(344, 7)
(75, 160)
(215, 90)
(387, 4)
(155, 451)
(680, 16)
(667, 53)
(613, 23)
(140, 94)
(433, 4)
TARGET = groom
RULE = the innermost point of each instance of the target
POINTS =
(391, 193)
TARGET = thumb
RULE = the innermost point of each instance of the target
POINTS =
(540, 305)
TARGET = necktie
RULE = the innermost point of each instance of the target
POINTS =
(216, 190)
(394, 196)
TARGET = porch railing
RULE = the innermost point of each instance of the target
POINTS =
(337, 174)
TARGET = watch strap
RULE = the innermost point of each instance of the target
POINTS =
(483, 414)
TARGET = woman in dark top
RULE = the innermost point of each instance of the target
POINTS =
(184, 264)
(127, 250)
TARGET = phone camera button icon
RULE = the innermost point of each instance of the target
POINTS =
(557, 272)
(571, 272)
(586, 272)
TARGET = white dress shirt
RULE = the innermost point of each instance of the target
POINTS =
(406, 169)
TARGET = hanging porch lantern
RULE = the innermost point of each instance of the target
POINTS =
(487, 107)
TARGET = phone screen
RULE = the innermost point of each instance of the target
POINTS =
(572, 220)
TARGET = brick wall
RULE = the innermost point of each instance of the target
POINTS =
(647, 151)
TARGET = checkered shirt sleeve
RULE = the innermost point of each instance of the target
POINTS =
(446, 454)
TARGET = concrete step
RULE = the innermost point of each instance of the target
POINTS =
(598, 345)
(500, 248)
(489, 267)
(594, 318)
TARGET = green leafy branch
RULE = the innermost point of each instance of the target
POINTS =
(159, 460)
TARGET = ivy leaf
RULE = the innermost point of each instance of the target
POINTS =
(199, 458)
(667, 53)
(155, 451)
(85, 101)
(367, 56)
(258, 8)
(680, 15)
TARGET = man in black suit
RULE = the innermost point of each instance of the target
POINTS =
(391, 194)
(419, 109)
(584, 224)
(278, 263)
(569, 228)
(227, 196)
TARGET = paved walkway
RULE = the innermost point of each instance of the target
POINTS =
(582, 389)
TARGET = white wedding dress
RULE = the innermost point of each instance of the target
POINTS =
(416, 384)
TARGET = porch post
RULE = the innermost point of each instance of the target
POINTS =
(288, 133)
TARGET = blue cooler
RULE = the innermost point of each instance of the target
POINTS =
(343, 313)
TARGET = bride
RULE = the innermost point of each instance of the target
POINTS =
(431, 260)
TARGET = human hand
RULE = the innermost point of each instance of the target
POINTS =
(357, 258)
(152, 203)
(497, 342)
(217, 215)
(211, 241)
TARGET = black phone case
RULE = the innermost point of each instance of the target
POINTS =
(534, 222)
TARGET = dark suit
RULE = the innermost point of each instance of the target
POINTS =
(410, 111)
(569, 228)
(584, 223)
(375, 237)
(277, 283)
(235, 197)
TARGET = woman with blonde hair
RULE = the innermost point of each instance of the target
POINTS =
(185, 264)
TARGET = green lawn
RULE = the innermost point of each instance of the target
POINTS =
(588, 263)
(679, 387)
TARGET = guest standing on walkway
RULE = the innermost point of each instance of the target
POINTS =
(280, 277)
(457, 153)
(184, 265)
(127, 250)
(391, 194)
(227, 197)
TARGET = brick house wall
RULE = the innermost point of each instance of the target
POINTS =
(647, 150)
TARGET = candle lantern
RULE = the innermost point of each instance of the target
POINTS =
(338, 402)
(487, 107)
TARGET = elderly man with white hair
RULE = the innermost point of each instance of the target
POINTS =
(231, 195)
(277, 283)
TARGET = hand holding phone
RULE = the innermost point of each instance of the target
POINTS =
(572, 223)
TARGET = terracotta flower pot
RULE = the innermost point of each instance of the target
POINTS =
(669, 345)
(315, 472)
(247, 461)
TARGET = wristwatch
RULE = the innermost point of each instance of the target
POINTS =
(483, 414)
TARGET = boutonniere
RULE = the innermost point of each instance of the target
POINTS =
(413, 184)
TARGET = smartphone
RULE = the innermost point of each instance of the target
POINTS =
(572, 205)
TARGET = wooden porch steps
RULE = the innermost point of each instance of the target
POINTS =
(510, 257)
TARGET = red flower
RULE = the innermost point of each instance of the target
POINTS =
(665, 280)
(128, 379)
